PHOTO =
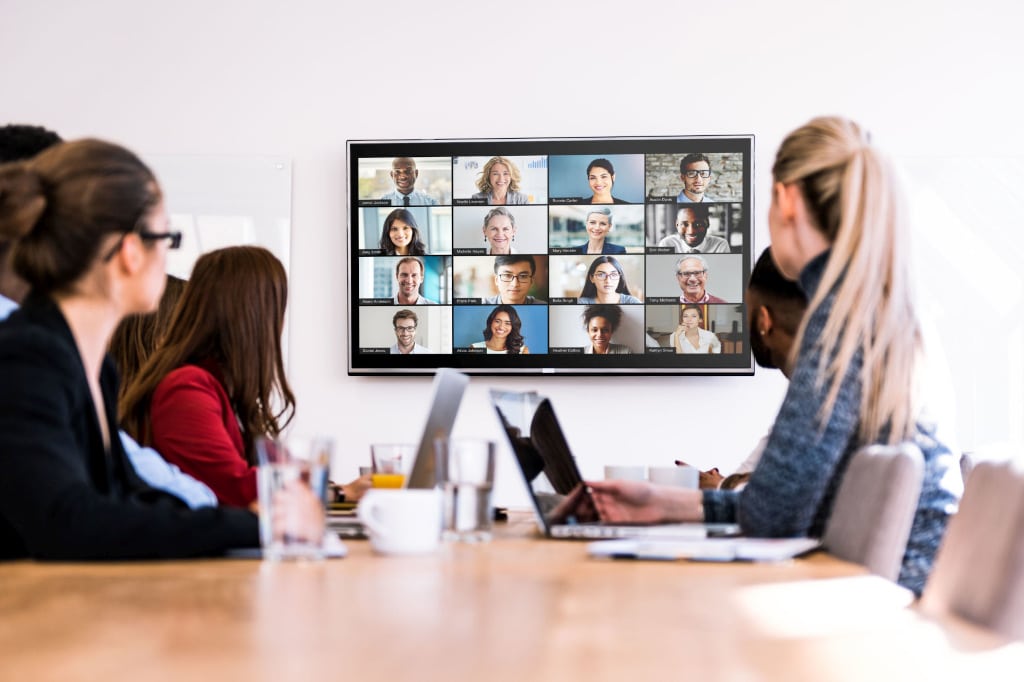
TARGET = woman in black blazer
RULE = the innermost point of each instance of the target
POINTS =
(91, 237)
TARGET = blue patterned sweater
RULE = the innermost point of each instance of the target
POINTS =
(793, 487)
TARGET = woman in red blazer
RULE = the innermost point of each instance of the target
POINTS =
(216, 383)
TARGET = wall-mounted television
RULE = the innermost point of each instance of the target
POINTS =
(557, 255)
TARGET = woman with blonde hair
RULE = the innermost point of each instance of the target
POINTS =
(837, 227)
(499, 183)
(90, 235)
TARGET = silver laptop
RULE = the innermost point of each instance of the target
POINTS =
(449, 385)
(554, 482)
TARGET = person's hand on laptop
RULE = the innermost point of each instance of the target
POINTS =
(642, 502)
(709, 480)
(577, 505)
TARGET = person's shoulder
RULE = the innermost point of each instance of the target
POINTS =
(189, 377)
(479, 195)
(629, 298)
(616, 200)
(717, 244)
(586, 299)
(613, 248)
(22, 340)
(492, 300)
(582, 248)
(716, 299)
(478, 344)
(669, 241)
(530, 300)
(517, 198)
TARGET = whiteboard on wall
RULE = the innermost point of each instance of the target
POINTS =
(219, 201)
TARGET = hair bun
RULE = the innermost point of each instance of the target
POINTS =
(22, 200)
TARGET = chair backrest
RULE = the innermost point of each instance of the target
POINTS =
(979, 570)
(875, 506)
(966, 465)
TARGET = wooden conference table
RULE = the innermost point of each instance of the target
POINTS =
(517, 609)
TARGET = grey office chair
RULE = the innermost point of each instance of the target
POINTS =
(979, 570)
(875, 506)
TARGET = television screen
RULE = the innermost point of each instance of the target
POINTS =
(598, 255)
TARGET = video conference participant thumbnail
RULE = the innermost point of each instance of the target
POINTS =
(415, 231)
(696, 329)
(500, 330)
(500, 180)
(688, 228)
(513, 280)
(695, 177)
(695, 278)
(500, 230)
(596, 330)
(405, 181)
(407, 280)
(398, 330)
(598, 230)
(610, 179)
(597, 279)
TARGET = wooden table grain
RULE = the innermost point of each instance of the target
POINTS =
(519, 608)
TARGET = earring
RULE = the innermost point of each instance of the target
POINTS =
(762, 332)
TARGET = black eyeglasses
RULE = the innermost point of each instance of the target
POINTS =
(175, 238)
(694, 173)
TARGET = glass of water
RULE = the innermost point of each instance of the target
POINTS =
(292, 485)
(465, 471)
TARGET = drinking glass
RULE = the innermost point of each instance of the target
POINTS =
(465, 471)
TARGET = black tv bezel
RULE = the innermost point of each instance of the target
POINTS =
(637, 364)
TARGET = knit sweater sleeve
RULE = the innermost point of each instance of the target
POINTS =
(791, 490)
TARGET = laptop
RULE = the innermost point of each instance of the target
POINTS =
(448, 387)
(554, 482)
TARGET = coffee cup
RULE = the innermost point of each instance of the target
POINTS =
(402, 521)
(625, 472)
(678, 476)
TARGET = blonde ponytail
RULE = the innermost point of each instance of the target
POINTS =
(851, 191)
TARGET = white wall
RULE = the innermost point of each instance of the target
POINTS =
(297, 79)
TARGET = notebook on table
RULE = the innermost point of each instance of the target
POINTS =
(448, 387)
(557, 490)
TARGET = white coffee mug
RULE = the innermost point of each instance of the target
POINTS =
(625, 472)
(402, 521)
(678, 476)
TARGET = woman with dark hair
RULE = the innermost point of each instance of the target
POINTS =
(205, 395)
(137, 336)
(91, 237)
(690, 336)
(601, 178)
(502, 334)
(401, 235)
(606, 283)
(601, 321)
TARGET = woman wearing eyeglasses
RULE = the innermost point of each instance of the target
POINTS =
(690, 336)
(91, 236)
(606, 283)
(601, 321)
(502, 333)
(599, 224)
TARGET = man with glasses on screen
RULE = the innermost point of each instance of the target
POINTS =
(409, 273)
(695, 172)
(513, 276)
(404, 175)
(692, 275)
(405, 323)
